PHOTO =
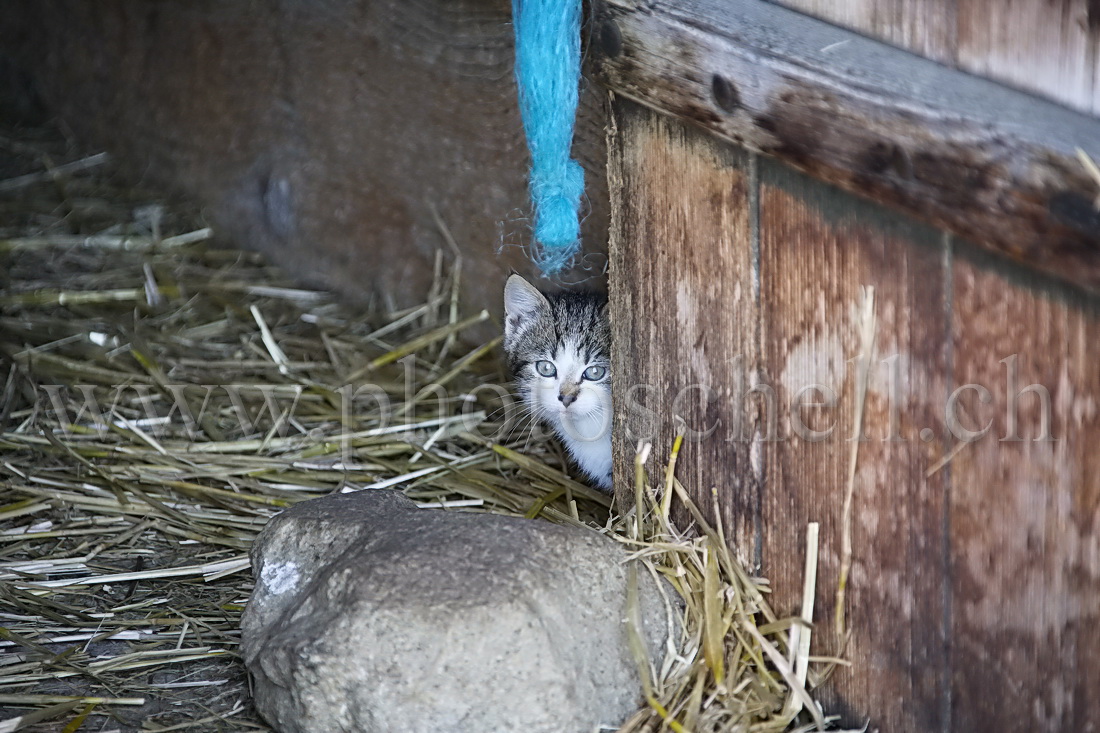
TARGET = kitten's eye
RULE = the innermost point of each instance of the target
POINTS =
(595, 373)
(545, 368)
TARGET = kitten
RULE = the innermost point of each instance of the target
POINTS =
(559, 353)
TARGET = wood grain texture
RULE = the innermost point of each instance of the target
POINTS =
(686, 311)
(818, 249)
(975, 567)
(1025, 515)
(955, 151)
(1049, 48)
(321, 132)
(683, 309)
(923, 27)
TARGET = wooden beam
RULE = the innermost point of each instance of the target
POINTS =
(991, 164)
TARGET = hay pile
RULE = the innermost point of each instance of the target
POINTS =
(163, 396)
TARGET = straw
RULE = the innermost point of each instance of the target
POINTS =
(163, 398)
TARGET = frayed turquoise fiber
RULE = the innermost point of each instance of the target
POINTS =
(548, 70)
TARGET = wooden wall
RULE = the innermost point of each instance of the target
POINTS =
(988, 163)
(323, 133)
(1049, 48)
(976, 564)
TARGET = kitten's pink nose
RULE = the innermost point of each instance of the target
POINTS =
(567, 399)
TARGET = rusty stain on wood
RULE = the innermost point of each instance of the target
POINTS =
(961, 153)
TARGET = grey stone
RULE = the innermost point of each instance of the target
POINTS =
(370, 614)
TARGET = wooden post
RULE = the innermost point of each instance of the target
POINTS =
(819, 250)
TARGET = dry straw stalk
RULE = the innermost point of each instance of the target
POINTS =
(162, 397)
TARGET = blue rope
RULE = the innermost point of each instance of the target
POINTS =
(548, 69)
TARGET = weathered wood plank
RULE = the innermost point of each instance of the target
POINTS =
(818, 249)
(683, 307)
(1025, 515)
(1052, 49)
(963, 153)
(686, 313)
(923, 27)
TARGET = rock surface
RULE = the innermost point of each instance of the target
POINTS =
(370, 614)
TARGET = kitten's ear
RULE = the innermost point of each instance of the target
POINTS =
(522, 300)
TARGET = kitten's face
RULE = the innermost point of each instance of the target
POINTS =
(558, 348)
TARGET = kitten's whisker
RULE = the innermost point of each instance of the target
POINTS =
(521, 406)
(525, 423)
(493, 415)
